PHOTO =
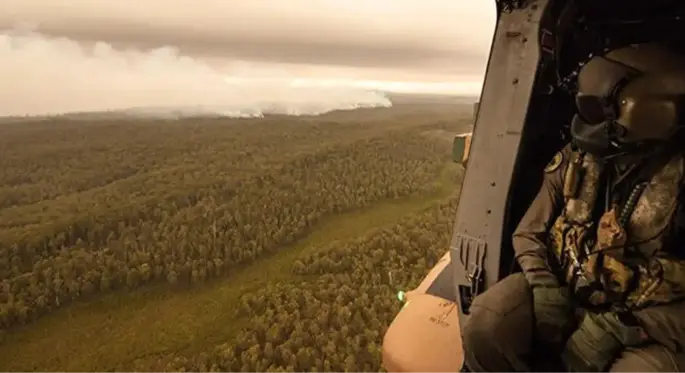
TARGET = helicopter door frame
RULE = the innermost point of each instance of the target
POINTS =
(507, 90)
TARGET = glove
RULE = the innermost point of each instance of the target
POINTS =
(597, 342)
(554, 319)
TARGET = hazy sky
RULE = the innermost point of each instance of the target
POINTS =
(438, 45)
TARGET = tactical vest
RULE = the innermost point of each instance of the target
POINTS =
(616, 259)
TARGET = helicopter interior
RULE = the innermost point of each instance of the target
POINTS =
(526, 107)
(571, 32)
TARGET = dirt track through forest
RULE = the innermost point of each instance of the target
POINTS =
(137, 331)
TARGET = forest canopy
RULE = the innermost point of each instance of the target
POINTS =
(99, 207)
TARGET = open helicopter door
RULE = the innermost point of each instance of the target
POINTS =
(509, 82)
(425, 335)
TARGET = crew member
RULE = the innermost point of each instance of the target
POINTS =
(602, 246)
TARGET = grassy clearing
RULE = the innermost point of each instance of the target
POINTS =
(138, 331)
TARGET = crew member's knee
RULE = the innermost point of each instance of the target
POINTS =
(499, 324)
(478, 335)
(650, 358)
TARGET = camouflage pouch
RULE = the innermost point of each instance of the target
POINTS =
(611, 236)
(570, 255)
(608, 278)
(615, 276)
(556, 238)
(662, 282)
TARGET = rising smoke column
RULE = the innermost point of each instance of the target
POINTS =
(41, 75)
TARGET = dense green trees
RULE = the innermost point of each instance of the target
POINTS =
(95, 207)
(335, 317)
(89, 207)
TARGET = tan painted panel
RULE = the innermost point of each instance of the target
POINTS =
(424, 337)
(467, 147)
(433, 274)
(425, 334)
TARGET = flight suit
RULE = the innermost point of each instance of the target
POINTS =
(500, 334)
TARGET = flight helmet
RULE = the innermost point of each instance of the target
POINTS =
(631, 97)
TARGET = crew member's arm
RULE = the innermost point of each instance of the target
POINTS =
(660, 317)
(665, 324)
(529, 239)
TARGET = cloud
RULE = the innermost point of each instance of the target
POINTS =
(46, 75)
(449, 36)
(238, 56)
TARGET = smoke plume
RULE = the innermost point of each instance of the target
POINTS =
(45, 75)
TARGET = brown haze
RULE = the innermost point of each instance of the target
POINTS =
(243, 56)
